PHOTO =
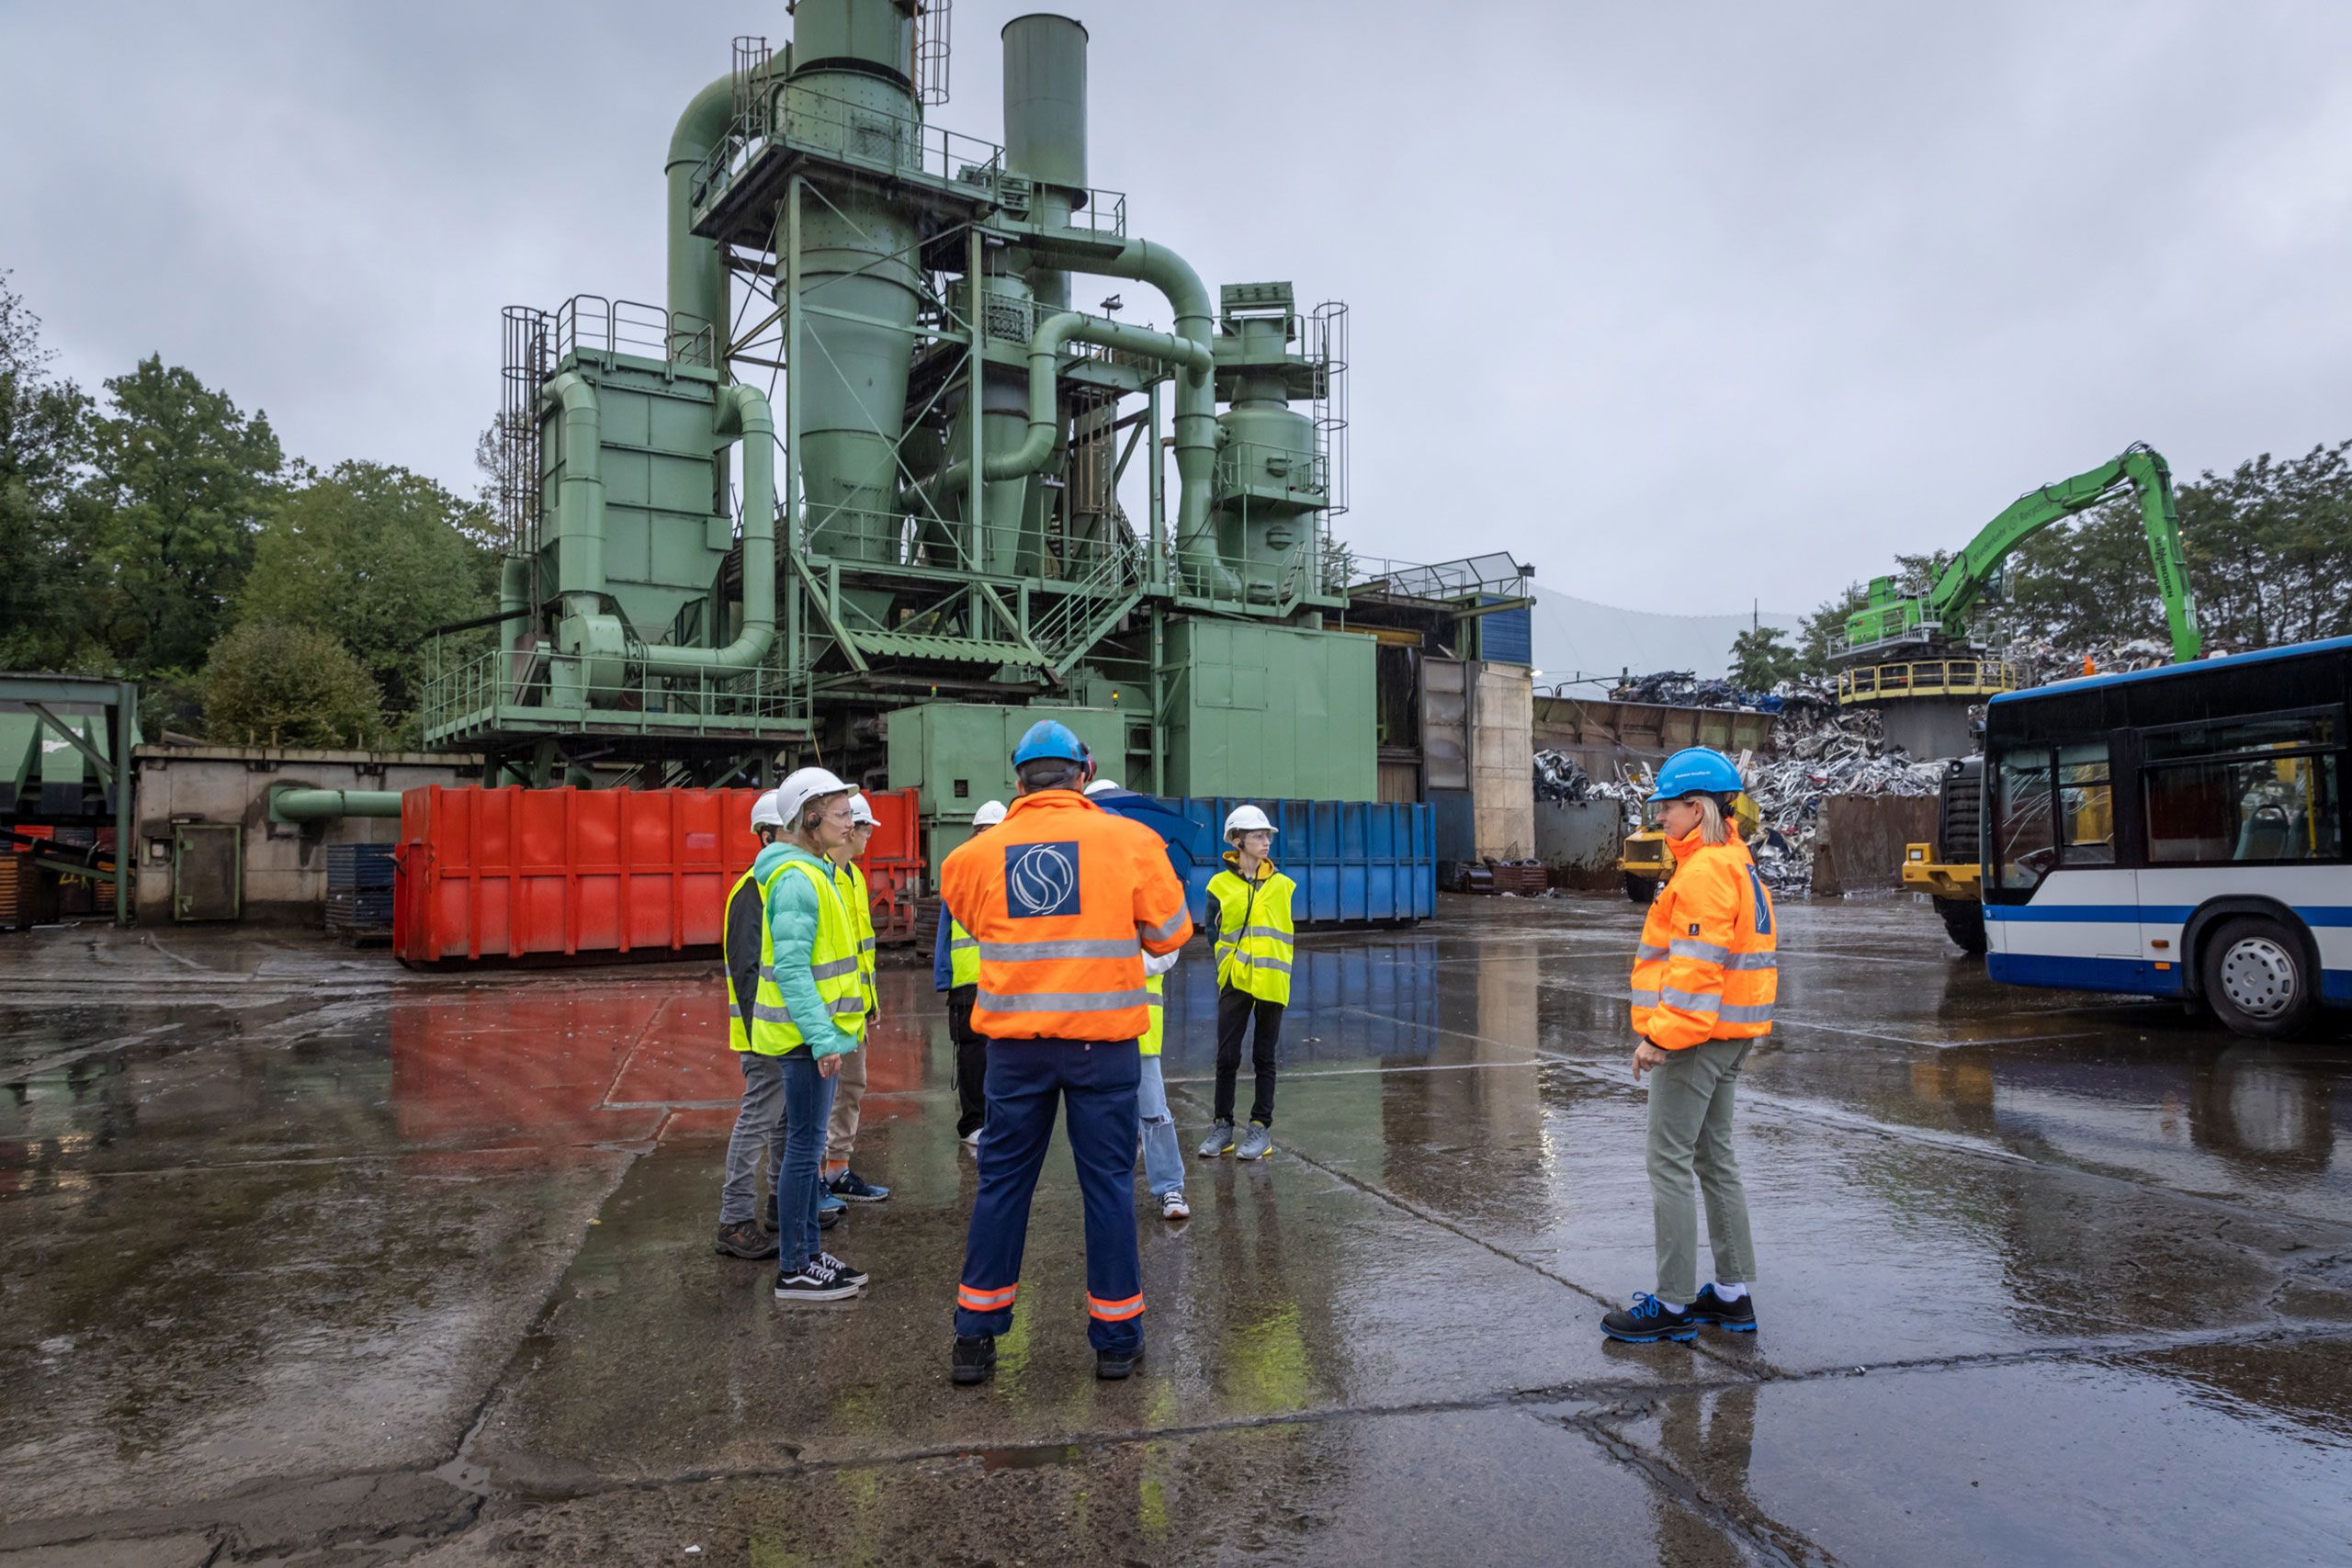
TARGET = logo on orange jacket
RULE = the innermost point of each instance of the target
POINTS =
(1041, 880)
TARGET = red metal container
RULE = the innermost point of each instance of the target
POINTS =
(509, 872)
(506, 873)
(893, 864)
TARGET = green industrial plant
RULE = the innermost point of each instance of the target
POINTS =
(852, 492)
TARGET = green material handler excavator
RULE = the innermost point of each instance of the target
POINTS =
(1949, 869)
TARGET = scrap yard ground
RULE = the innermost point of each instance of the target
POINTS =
(307, 1258)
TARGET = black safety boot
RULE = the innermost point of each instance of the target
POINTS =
(1739, 1316)
(973, 1359)
(1112, 1365)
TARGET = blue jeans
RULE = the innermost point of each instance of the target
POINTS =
(808, 1101)
(1027, 1081)
(1163, 1158)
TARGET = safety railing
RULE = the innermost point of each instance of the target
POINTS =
(1474, 577)
(1927, 678)
(1265, 473)
(628, 326)
(863, 135)
(467, 694)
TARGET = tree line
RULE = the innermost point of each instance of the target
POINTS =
(2269, 551)
(161, 533)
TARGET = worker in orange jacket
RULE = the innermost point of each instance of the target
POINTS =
(1064, 899)
(1705, 983)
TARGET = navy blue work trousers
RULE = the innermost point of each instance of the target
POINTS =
(1028, 1079)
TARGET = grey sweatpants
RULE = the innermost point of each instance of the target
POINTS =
(759, 1126)
(1690, 1099)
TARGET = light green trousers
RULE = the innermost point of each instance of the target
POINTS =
(1690, 1099)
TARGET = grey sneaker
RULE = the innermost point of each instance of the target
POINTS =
(1257, 1144)
(1218, 1142)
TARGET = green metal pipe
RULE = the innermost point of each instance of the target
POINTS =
(697, 273)
(743, 415)
(513, 600)
(580, 499)
(326, 804)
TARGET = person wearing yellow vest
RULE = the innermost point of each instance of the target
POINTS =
(798, 1008)
(1163, 1156)
(1254, 937)
(843, 1185)
(955, 970)
(1706, 977)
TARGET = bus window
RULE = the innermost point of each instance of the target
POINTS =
(2244, 809)
(2023, 848)
(2086, 805)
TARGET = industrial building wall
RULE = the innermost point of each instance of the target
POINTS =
(1503, 752)
(284, 865)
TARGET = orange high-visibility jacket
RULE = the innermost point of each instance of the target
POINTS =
(1064, 898)
(1708, 967)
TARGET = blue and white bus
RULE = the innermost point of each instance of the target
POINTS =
(2178, 832)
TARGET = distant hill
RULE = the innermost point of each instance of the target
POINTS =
(1579, 636)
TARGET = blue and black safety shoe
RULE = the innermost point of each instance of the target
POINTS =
(1647, 1321)
(852, 1188)
(1739, 1316)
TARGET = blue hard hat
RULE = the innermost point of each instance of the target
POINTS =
(1049, 739)
(1696, 770)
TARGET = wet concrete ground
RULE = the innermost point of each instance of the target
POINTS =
(307, 1258)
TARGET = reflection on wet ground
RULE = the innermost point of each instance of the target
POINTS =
(303, 1257)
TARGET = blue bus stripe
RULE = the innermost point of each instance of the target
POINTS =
(2151, 914)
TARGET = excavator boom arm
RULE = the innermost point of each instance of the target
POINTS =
(2141, 467)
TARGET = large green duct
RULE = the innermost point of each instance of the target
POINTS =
(743, 415)
(326, 804)
(697, 288)
(860, 272)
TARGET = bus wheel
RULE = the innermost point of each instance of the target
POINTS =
(2259, 979)
(1640, 889)
(1964, 918)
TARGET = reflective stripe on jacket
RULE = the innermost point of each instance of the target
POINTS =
(1254, 934)
(1064, 899)
(857, 903)
(963, 956)
(1708, 966)
(833, 965)
(1158, 985)
(746, 948)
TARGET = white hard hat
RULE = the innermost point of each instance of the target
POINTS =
(990, 813)
(763, 811)
(1245, 819)
(1101, 786)
(860, 815)
(801, 787)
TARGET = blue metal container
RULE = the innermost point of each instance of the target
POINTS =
(1355, 862)
(359, 889)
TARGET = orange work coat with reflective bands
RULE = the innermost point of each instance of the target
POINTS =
(1708, 967)
(1064, 899)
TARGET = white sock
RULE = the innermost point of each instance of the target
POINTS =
(1670, 1306)
(1729, 1292)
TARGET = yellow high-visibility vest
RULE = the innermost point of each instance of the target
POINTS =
(833, 960)
(858, 904)
(963, 954)
(1254, 933)
(1151, 1036)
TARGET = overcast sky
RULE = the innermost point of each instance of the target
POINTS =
(1689, 304)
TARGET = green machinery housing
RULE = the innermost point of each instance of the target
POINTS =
(862, 468)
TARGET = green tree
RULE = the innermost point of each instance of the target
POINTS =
(288, 686)
(1761, 658)
(376, 555)
(185, 477)
(45, 524)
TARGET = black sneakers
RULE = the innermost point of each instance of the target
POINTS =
(1112, 1365)
(851, 1188)
(974, 1360)
(814, 1282)
(1739, 1316)
(842, 1270)
(1647, 1321)
(743, 1239)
